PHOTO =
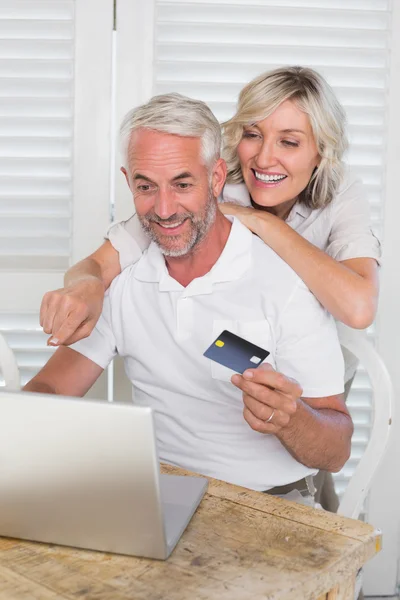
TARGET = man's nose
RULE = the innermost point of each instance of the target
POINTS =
(165, 204)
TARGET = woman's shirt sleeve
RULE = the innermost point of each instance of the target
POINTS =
(351, 235)
(128, 239)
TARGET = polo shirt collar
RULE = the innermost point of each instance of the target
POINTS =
(299, 209)
(235, 259)
(238, 193)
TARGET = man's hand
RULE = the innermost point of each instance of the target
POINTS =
(315, 431)
(270, 398)
(70, 314)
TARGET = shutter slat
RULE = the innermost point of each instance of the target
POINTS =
(371, 136)
(26, 9)
(35, 186)
(39, 226)
(35, 88)
(36, 49)
(382, 5)
(33, 29)
(262, 55)
(34, 262)
(371, 116)
(36, 68)
(234, 73)
(36, 107)
(209, 92)
(35, 205)
(17, 246)
(35, 127)
(35, 147)
(21, 328)
(242, 35)
(41, 167)
(246, 14)
(33, 360)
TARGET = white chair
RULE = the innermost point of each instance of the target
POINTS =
(382, 391)
(9, 367)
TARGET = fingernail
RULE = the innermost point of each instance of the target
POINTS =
(53, 341)
(248, 374)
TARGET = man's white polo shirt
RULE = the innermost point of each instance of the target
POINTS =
(162, 329)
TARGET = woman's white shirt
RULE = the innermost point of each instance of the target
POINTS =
(342, 229)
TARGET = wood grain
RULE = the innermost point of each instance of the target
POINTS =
(239, 545)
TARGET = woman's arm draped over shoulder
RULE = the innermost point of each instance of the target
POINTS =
(345, 277)
(70, 313)
(348, 289)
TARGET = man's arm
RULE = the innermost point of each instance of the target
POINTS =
(311, 419)
(68, 373)
(316, 431)
(319, 434)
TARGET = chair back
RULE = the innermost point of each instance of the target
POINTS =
(383, 394)
(9, 367)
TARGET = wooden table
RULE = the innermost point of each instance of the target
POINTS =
(239, 545)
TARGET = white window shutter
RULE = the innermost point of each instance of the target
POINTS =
(36, 125)
(48, 85)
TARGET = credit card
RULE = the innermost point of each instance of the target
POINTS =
(234, 352)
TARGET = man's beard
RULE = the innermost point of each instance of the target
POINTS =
(184, 243)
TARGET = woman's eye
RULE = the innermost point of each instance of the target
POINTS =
(250, 135)
(290, 143)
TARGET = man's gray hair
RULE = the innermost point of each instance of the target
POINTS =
(177, 115)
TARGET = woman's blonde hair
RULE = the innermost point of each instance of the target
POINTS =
(312, 94)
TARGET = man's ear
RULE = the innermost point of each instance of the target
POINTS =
(218, 177)
(123, 170)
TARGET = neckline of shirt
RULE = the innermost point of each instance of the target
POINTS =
(238, 193)
(234, 260)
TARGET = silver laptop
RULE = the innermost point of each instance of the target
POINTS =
(85, 473)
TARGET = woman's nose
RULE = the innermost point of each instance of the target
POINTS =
(266, 157)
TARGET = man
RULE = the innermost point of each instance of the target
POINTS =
(200, 276)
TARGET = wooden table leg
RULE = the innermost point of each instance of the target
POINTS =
(343, 591)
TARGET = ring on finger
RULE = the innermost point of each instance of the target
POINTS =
(270, 417)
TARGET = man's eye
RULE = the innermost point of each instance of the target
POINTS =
(183, 186)
(144, 187)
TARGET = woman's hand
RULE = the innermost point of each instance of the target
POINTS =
(250, 217)
(70, 313)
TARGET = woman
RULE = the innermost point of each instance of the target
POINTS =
(284, 149)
